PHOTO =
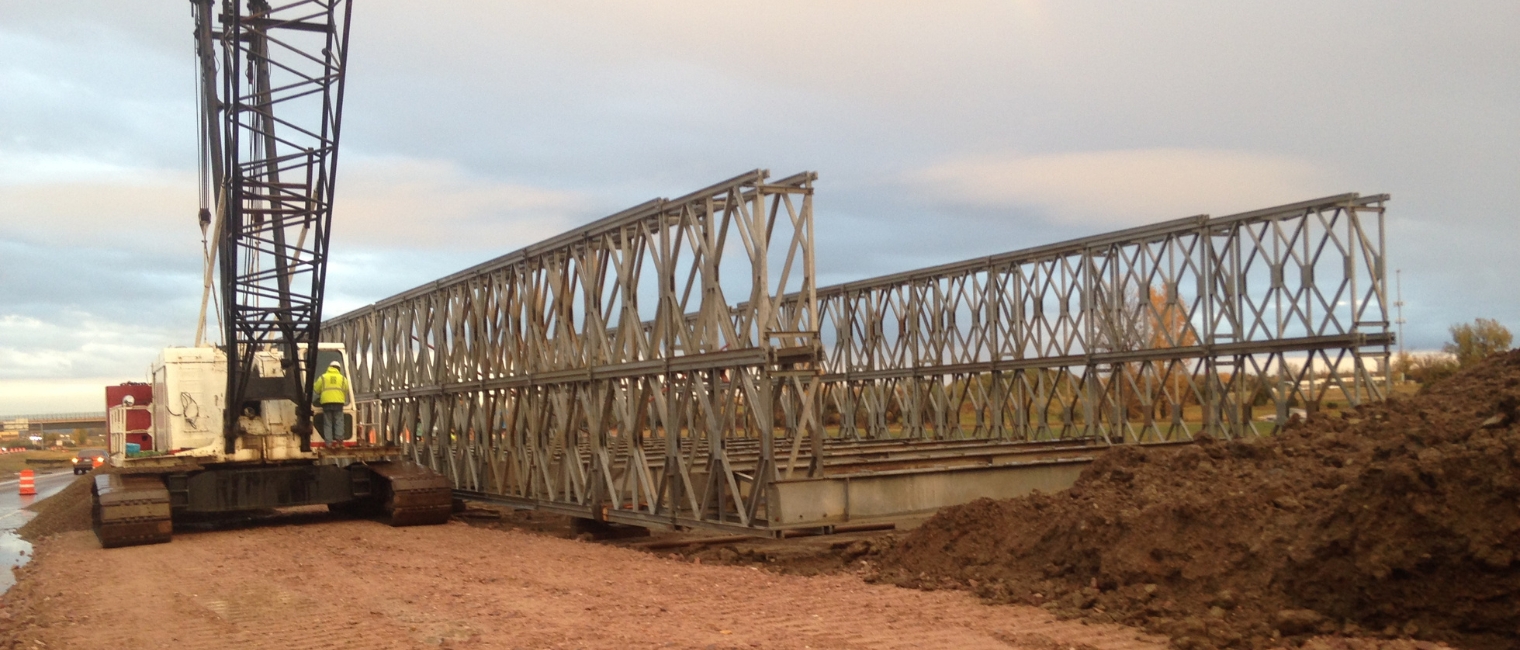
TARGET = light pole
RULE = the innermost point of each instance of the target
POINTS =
(1398, 280)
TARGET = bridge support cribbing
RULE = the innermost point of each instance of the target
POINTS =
(675, 365)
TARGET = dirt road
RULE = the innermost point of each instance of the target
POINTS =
(360, 584)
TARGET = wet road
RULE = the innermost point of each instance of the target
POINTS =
(15, 551)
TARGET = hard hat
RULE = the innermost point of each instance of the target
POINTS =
(335, 365)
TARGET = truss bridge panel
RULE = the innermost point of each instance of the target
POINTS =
(1199, 325)
(609, 367)
(674, 364)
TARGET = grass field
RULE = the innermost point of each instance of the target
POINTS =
(12, 464)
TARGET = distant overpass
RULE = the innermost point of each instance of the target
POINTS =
(53, 422)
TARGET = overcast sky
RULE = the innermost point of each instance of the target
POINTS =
(940, 130)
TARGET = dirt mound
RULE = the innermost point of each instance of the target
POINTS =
(1397, 520)
(68, 509)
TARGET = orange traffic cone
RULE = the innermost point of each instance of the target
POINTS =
(28, 484)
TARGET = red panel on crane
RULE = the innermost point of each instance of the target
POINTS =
(138, 421)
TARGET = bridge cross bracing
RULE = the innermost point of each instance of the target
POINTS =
(1116, 336)
(675, 365)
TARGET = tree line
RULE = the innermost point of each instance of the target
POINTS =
(1469, 344)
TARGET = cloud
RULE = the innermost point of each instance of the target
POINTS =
(75, 345)
(41, 396)
(381, 202)
(42, 281)
(1127, 187)
(69, 200)
(408, 202)
(92, 89)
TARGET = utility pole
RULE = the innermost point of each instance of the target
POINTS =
(1398, 304)
(1398, 280)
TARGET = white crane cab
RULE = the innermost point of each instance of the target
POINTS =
(189, 473)
(189, 400)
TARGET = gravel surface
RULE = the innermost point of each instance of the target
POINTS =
(327, 583)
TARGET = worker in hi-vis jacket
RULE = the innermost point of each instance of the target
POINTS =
(332, 392)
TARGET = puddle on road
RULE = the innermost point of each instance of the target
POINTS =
(14, 551)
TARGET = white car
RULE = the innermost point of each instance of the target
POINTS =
(1292, 413)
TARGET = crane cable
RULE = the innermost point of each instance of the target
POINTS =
(204, 191)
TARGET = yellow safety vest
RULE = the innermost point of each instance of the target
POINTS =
(331, 387)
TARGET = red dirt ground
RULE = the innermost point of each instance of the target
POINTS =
(361, 584)
(1398, 520)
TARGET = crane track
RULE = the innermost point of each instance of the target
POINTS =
(134, 509)
(414, 495)
(130, 510)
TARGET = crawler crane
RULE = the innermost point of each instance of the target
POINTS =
(233, 426)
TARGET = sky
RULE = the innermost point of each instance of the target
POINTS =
(940, 131)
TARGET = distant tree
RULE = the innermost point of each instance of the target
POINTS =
(1475, 342)
(1403, 365)
(1427, 368)
(1257, 390)
(1150, 320)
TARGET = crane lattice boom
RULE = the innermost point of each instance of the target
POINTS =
(272, 98)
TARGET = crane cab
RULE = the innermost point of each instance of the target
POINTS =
(189, 402)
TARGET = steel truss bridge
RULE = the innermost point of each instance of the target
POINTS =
(674, 364)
